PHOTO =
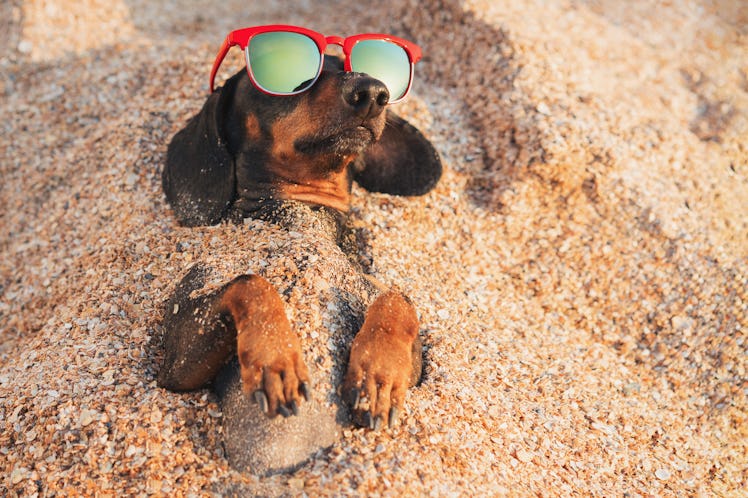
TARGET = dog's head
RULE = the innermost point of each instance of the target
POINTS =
(245, 147)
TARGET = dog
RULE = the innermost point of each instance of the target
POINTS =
(291, 161)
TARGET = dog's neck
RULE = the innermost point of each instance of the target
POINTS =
(334, 192)
(264, 197)
(321, 183)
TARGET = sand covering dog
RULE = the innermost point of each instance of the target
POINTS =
(291, 161)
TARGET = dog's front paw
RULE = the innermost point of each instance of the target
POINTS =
(384, 362)
(270, 358)
(272, 370)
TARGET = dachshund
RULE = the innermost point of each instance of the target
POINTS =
(249, 155)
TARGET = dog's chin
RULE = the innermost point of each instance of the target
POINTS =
(343, 142)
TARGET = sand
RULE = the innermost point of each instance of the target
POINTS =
(579, 272)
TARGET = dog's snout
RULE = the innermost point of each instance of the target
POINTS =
(366, 95)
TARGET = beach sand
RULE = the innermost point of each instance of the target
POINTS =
(580, 272)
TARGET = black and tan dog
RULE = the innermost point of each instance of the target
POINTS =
(251, 155)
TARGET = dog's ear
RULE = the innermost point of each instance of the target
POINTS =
(401, 162)
(198, 179)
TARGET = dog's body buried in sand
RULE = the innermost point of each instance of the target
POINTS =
(287, 156)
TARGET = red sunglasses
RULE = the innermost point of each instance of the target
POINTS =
(287, 60)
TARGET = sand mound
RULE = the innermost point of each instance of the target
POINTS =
(580, 271)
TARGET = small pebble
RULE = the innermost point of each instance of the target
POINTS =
(87, 417)
(524, 456)
(662, 474)
(296, 483)
(542, 108)
(19, 474)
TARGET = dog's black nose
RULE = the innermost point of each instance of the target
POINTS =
(366, 95)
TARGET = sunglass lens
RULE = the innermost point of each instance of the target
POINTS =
(384, 61)
(283, 62)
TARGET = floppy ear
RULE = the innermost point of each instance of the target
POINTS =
(402, 162)
(198, 178)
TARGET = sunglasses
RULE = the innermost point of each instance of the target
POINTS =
(287, 60)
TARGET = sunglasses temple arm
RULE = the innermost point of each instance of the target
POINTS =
(416, 53)
(225, 46)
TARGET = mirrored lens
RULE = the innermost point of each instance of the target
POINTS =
(282, 62)
(384, 61)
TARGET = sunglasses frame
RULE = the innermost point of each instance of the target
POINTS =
(242, 38)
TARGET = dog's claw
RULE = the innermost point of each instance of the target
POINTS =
(394, 414)
(261, 399)
(354, 397)
(284, 411)
(305, 389)
(377, 424)
(294, 407)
